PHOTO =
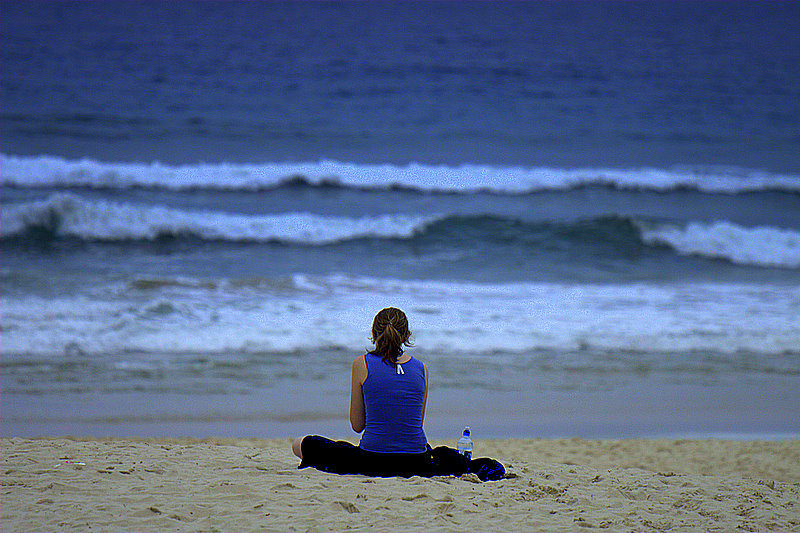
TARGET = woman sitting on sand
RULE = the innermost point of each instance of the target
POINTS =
(388, 393)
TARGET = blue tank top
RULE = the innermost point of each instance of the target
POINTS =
(393, 397)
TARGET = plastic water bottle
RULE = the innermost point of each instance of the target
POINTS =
(464, 444)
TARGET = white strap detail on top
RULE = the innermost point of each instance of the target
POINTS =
(400, 369)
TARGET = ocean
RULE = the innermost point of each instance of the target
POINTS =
(589, 211)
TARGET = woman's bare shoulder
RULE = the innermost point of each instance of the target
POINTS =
(360, 367)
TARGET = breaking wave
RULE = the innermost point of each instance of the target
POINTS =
(68, 216)
(49, 171)
(760, 246)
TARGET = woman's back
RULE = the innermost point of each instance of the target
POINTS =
(394, 402)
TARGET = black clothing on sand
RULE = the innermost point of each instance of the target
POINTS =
(341, 457)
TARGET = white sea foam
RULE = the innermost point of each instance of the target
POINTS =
(759, 246)
(306, 313)
(47, 171)
(68, 215)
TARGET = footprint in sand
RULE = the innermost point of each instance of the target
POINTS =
(347, 506)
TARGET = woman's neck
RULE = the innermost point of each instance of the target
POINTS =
(405, 358)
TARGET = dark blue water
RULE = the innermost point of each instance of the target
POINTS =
(563, 84)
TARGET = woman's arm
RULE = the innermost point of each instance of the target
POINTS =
(358, 416)
(425, 396)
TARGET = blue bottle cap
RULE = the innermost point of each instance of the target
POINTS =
(466, 431)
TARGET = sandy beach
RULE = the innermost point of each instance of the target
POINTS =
(254, 485)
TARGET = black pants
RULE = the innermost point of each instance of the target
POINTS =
(341, 457)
